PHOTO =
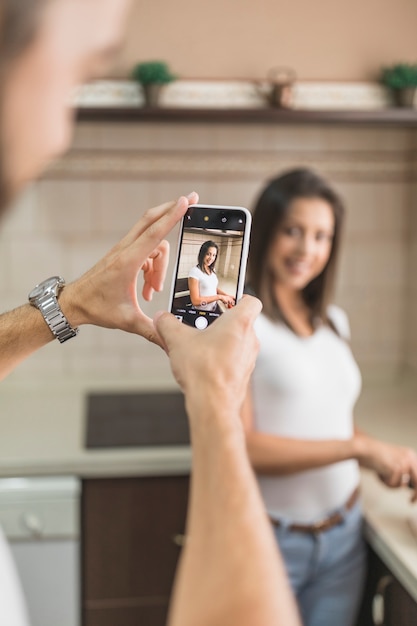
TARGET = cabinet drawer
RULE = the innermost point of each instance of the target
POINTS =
(398, 607)
(130, 536)
(52, 518)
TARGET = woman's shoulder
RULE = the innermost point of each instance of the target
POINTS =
(195, 272)
(265, 325)
(338, 317)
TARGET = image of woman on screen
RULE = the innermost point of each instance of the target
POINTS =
(203, 283)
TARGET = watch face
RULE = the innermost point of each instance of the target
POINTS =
(50, 285)
(36, 292)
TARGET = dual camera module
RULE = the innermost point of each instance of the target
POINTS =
(223, 220)
(206, 218)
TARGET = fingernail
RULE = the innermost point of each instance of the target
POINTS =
(190, 195)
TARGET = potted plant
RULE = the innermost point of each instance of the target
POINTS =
(152, 75)
(401, 78)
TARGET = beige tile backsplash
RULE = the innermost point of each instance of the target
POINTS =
(66, 221)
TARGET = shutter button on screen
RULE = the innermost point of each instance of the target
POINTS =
(201, 322)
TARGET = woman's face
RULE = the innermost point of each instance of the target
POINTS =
(75, 42)
(303, 244)
(210, 256)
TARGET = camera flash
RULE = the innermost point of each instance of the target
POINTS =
(206, 218)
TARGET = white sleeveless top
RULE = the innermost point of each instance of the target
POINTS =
(306, 388)
(207, 285)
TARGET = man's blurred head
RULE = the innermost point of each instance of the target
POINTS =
(47, 49)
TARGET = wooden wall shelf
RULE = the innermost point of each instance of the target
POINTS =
(379, 117)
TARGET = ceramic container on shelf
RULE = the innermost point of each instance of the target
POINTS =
(277, 88)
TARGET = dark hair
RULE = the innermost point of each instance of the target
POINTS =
(271, 210)
(203, 251)
(19, 23)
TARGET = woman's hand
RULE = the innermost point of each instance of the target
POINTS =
(395, 465)
(106, 294)
(229, 301)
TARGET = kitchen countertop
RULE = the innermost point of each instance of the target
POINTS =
(57, 416)
(390, 413)
(388, 530)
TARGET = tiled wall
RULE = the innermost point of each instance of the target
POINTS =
(228, 257)
(191, 245)
(89, 200)
(410, 325)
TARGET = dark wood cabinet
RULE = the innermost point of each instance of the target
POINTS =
(398, 607)
(131, 531)
(131, 535)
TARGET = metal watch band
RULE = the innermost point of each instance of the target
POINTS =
(54, 317)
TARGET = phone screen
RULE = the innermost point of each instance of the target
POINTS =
(211, 263)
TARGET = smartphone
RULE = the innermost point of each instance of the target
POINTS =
(211, 263)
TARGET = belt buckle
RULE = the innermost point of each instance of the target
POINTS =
(317, 527)
(328, 523)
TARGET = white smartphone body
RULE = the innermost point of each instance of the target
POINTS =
(211, 260)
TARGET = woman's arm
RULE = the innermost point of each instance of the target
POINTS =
(196, 299)
(270, 454)
(227, 298)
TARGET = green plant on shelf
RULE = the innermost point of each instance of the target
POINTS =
(400, 76)
(152, 73)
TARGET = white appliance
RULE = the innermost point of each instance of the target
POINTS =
(40, 518)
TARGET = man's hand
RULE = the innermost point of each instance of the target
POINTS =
(225, 510)
(213, 366)
(106, 295)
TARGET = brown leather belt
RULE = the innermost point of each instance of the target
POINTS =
(324, 524)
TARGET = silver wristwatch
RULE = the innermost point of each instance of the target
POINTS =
(45, 298)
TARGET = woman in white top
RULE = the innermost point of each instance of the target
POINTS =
(203, 282)
(298, 415)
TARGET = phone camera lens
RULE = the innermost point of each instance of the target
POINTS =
(224, 219)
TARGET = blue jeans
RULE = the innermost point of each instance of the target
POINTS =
(326, 570)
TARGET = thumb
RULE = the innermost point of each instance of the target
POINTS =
(169, 329)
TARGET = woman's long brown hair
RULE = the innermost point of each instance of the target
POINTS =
(270, 211)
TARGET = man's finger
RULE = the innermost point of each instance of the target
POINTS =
(147, 219)
(154, 270)
(164, 217)
(150, 238)
(170, 330)
(160, 258)
(248, 307)
(145, 327)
